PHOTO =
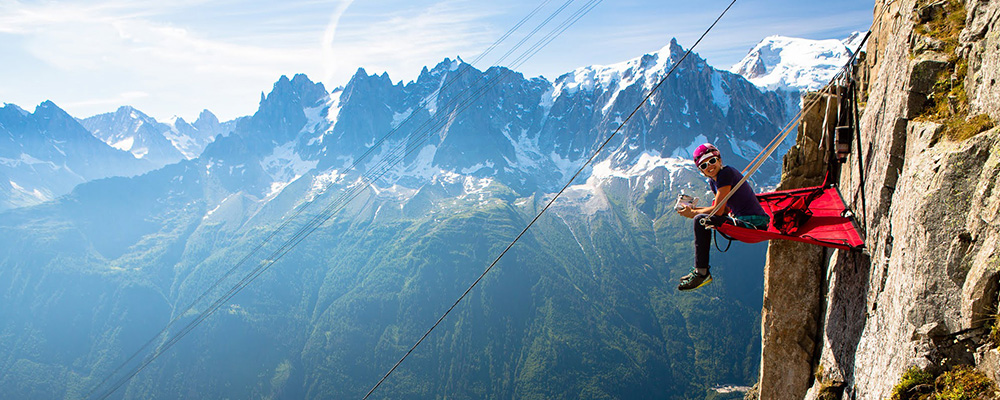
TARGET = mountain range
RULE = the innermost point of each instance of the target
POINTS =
(49, 152)
(130, 130)
(46, 153)
(406, 191)
(781, 64)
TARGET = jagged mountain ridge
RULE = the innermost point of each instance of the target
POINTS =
(130, 130)
(46, 153)
(192, 138)
(528, 133)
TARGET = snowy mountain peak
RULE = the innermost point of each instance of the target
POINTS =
(204, 118)
(449, 64)
(785, 63)
(649, 67)
(298, 89)
(49, 110)
(14, 107)
(672, 49)
(191, 138)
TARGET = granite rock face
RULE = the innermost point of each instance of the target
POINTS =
(925, 291)
(793, 285)
(982, 39)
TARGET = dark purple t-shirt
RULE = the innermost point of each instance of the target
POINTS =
(744, 201)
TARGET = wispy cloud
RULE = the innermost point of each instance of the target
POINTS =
(236, 48)
(108, 36)
(404, 40)
(329, 55)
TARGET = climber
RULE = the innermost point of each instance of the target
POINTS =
(742, 209)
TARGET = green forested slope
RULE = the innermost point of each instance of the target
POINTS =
(584, 306)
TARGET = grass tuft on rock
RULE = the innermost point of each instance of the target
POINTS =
(963, 129)
(964, 383)
(912, 378)
(961, 383)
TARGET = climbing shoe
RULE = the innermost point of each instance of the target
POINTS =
(694, 280)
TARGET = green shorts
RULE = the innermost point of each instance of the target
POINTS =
(752, 221)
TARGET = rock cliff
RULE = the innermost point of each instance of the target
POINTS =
(841, 324)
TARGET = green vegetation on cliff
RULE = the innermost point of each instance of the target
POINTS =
(941, 22)
(960, 383)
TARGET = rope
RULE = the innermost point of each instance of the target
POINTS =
(861, 159)
(547, 205)
(767, 151)
(715, 238)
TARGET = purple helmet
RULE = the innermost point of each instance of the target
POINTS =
(705, 152)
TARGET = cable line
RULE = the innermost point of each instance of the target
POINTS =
(549, 204)
(534, 31)
(365, 181)
(558, 31)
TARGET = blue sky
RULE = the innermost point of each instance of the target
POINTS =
(178, 57)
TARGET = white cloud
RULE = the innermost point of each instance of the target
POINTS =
(120, 48)
(73, 38)
(220, 54)
(112, 102)
(196, 54)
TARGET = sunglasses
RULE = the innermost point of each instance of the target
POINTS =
(710, 161)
